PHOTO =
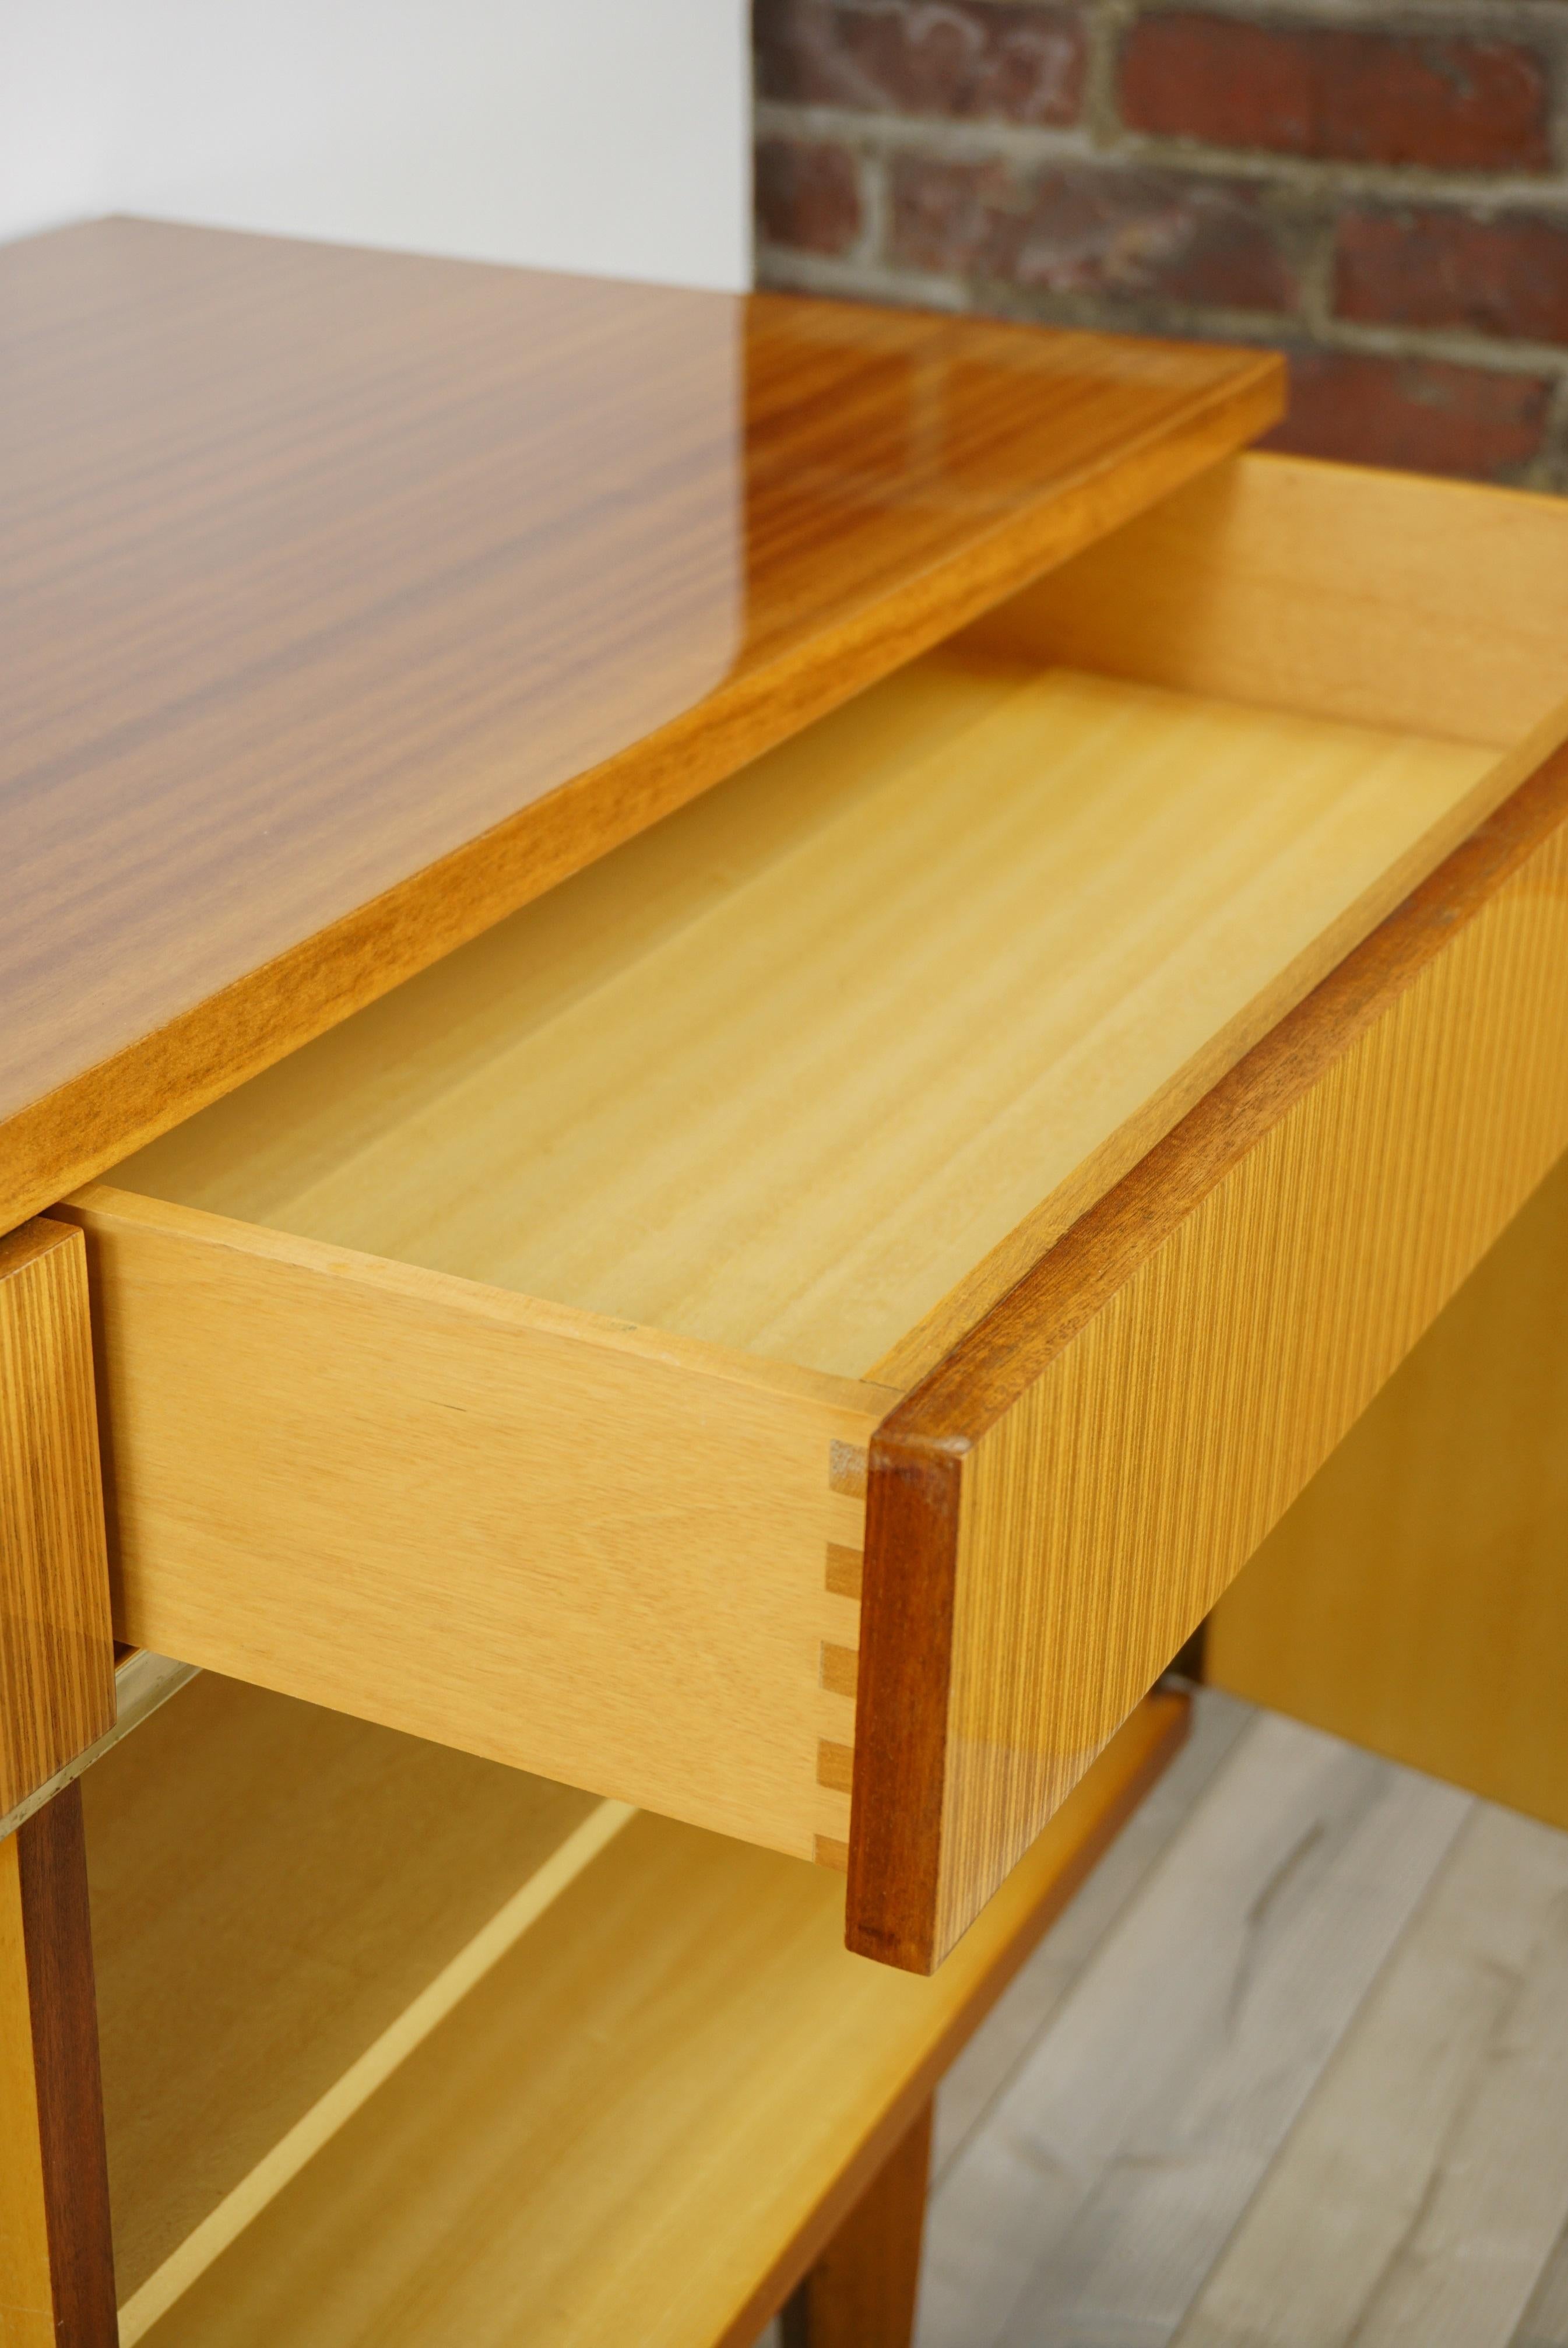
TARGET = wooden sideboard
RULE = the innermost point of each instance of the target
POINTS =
(736, 1029)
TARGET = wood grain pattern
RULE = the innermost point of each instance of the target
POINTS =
(1054, 1510)
(586, 2084)
(253, 1856)
(820, 1082)
(57, 2265)
(821, 1076)
(404, 587)
(357, 2086)
(826, 1061)
(56, 1652)
(861, 2291)
(1413, 1599)
(393, 1523)
(1377, 598)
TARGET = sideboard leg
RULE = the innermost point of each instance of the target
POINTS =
(57, 2260)
(861, 2292)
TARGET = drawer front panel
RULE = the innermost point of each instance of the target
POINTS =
(1414, 1599)
(501, 1525)
(1056, 1508)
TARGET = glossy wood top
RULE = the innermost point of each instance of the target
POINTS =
(351, 599)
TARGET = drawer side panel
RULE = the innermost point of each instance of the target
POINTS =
(554, 1542)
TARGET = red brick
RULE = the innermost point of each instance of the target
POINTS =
(1432, 267)
(1441, 99)
(953, 59)
(1084, 230)
(1420, 415)
(808, 194)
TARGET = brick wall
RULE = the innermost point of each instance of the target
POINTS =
(1379, 190)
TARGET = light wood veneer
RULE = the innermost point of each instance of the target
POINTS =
(583, 1550)
(355, 598)
(777, 1105)
(56, 1649)
(257, 1859)
(815, 1069)
(804, 1060)
(1062, 1502)
(586, 2085)
(1414, 1599)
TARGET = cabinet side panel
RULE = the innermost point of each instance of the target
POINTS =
(488, 1522)
(56, 1652)
(1413, 1600)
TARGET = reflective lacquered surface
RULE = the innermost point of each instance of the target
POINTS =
(348, 598)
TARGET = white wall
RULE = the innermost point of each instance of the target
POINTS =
(605, 135)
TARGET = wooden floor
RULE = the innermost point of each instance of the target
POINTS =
(1292, 2072)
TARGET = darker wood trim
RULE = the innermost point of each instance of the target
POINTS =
(51, 1854)
(917, 1453)
(913, 1496)
(863, 2289)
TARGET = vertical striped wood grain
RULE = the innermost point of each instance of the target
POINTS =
(1413, 1600)
(1054, 1510)
(57, 1651)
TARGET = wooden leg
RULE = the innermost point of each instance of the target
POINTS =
(861, 2291)
(57, 2263)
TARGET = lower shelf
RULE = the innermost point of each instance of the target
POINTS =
(400, 2044)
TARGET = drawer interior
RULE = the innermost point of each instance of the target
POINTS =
(395, 2041)
(813, 1070)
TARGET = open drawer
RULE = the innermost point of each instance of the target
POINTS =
(919, 1214)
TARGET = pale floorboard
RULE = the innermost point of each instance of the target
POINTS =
(1148, 2112)
(1432, 2161)
(997, 2048)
